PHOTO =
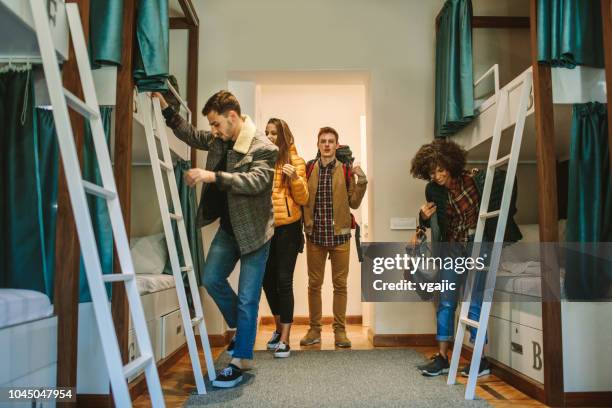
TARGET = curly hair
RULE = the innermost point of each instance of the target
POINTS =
(440, 153)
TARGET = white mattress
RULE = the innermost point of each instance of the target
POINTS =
(522, 278)
(21, 305)
(151, 283)
(523, 285)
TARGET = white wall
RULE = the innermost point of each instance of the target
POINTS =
(306, 108)
(392, 40)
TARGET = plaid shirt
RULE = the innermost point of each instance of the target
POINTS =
(323, 226)
(462, 208)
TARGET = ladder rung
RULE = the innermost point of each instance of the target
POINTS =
(136, 366)
(196, 320)
(491, 214)
(470, 322)
(500, 162)
(78, 105)
(176, 216)
(166, 165)
(186, 268)
(95, 189)
(118, 277)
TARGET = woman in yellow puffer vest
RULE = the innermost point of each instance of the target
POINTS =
(289, 194)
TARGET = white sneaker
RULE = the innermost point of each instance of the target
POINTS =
(282, 350)
(273, 343)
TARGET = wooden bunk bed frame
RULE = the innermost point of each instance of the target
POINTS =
(552, 391)
(67, 245)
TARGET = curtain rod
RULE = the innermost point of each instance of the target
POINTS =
(486, 162)
(7, 59)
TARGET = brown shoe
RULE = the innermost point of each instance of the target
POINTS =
(340, 339)
(312, 337)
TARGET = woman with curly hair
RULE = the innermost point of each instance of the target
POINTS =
(289, 194)
(453, 200)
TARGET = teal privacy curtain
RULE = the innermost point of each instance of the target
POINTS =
(28, 185)
(105, 32)
(97, 208)
(454, 77)
(151, 58)
(48, 166)
(189, 206)
(589, 211)
(570, 33)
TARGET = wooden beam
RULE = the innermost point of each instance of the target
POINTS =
(179, 23)
(67, 253)
(547, 215)
(190, 14)
(606, 15)
(499, 22)
(192, 83)
(123, 163)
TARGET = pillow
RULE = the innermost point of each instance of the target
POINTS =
(149, 254)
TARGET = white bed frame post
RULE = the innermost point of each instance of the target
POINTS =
(77, 188)
(502, 215)
(155, 125)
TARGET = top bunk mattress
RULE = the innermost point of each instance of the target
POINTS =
(21, 305)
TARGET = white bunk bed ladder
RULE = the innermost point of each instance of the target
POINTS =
(502, 215)
(77, 188)
(155, 125)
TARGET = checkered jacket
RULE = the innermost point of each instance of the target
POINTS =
(248, 180)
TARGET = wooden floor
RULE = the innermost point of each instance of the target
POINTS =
(178, 382)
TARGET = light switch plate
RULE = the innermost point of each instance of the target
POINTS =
(403, 223)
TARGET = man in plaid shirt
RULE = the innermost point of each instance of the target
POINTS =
(333, 191)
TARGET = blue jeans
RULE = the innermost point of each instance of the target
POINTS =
(448, 304)
(239, 310)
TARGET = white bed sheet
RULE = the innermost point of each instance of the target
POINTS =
(22, 305)
(151, 283)
(522, 278)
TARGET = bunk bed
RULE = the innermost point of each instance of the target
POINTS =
(71, 348)
(547, 349)
(149, 254)
(161, 307)
(28, 321)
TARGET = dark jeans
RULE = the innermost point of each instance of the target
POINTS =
(278, 280)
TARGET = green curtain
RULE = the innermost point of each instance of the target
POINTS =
(105, 32)
(454, 105)
(189, 207)
(151, 58)
(28, 188)
(589, 210)
(570, 33)
(48, 166)
(97, 207)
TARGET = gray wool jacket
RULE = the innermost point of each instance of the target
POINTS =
(248, 180)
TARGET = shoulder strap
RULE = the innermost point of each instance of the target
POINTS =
(347, 174)
(309, 168)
